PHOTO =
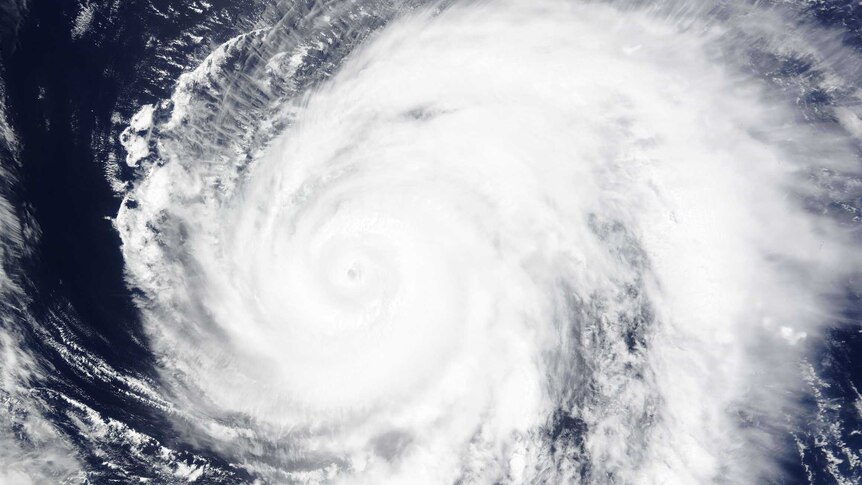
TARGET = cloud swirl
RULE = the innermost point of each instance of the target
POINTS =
(488, 242)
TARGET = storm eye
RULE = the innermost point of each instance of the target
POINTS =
(354, 273)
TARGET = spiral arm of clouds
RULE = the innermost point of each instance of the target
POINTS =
(491, 241)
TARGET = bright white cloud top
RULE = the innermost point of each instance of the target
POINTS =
(415, 262)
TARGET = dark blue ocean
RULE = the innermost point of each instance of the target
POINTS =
(68, 95)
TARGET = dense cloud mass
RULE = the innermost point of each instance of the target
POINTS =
(493, 215)
(492, 242)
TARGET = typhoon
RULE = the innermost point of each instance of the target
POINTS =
(472, 242)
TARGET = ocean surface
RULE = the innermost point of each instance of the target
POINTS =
(104, 375)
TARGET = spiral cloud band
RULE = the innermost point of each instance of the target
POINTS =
(485, 242)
